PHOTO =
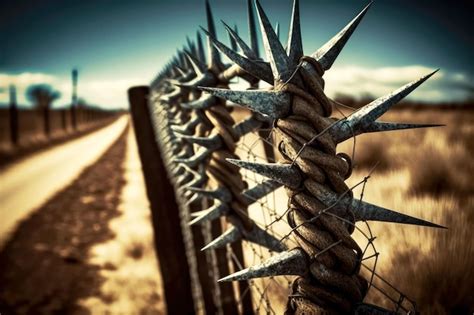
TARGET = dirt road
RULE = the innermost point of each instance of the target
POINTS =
(26, 185)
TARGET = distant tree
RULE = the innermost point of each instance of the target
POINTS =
(42, 95)
(81, 103)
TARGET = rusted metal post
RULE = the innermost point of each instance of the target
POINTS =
(169, 243)
(13, 116)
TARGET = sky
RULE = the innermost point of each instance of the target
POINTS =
(118, 44)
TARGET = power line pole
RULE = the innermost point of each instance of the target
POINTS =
(75, 74)
(13, 116)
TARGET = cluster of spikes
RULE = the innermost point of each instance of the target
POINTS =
(188, 86)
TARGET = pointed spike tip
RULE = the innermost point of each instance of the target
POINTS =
(327, 54)
(293, 262)
(275, 52)
(286, 174)
(229, 236)
(271, 103)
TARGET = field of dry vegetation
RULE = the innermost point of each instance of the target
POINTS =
(426, 173)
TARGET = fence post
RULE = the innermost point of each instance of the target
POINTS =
(205, 279)
(169, 243)
(46, 123)
(13, 116)
(63, 119)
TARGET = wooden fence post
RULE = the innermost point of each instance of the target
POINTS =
(13, 115)
(169, 243)
(46, 121)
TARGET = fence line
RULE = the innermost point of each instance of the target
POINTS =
(316, 262)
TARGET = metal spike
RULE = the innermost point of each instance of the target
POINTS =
(377, 126)
(196, 159)
(212, 213)
(181, 71)
(205, 101)
(240, 42)
(277, 30)
(232, 41)
(231, 235)
(214, 57)
(197, 66)
(194, 198)
(222, 193)
(206, 79)
(295, 44)
(363, 118)
(252, 29)
(189, 43)
(275, 52)
(187, 128)
(257, 69)
(261, 190)
(271, 103)
(285, 174)
(362, 210)
(212, 143)
(255, 235)
(200, 48)
(248, 125)
(327, 54)
(294, 262)
(263, 238)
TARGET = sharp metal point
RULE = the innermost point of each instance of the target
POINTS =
(257, 69)
(364, 211)
(200, 48)
(196, 159)
(214, 57)
(212, 213)
(295, 43)
(271, 103)
(222, 193)
(212, 143)
(240, 42)
(364, 118)
(294, 262)
(263, 238)
(327, 54)
(285, 174)
(260, 190)
(196, 65)
(252, 29)
(232, 41)
(231, 235)
(205, 101)
(275, 52)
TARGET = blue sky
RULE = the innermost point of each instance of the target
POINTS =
(116, 44)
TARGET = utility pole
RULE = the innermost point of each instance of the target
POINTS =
(13, 116)
(74, 99)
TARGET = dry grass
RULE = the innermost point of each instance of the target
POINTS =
(426, 174)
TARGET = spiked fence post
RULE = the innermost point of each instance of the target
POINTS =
(323, 212)
(165, 216)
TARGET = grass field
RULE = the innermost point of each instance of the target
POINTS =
(425, 173)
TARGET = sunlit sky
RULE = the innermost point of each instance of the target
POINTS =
(117, 44)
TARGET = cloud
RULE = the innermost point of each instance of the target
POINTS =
(105, 93)
(361, 81)
(350, 80)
